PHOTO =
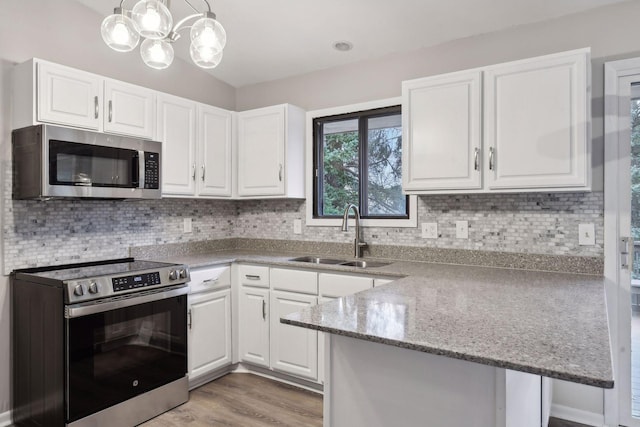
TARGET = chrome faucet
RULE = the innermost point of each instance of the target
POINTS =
(358, 244)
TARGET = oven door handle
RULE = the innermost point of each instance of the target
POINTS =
(85, 309)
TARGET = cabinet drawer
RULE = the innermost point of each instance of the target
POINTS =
(209, 278)
(294, 280)
(254, 275)
(339, 285)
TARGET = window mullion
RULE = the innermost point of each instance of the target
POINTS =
(363, 162)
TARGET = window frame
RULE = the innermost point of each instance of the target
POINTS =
(311, 220)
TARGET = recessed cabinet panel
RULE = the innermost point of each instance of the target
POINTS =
(261, 143)
(293, 350)
(69, 97)
(130, 110)
(177, 132)
(254, 326)
(214, 151)
(209, 332)
(442, 118)
(536, 123)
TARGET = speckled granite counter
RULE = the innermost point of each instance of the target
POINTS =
(550, 324)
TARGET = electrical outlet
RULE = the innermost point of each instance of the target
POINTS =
(297, 226)
(462, 229)
(429, 230)
(586, 235)
(187, 225)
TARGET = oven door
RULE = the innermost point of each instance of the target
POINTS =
(120, 349)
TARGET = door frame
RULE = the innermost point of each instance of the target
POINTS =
(618, 77)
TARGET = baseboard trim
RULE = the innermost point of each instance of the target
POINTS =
(577, 415)
(5, 419)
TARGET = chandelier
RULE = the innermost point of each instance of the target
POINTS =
(152, 21)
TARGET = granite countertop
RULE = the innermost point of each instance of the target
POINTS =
(544, 323)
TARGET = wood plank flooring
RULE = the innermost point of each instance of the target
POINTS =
(245, 400)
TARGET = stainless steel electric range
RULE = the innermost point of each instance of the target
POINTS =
(98, 344)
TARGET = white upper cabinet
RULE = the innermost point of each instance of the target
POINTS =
(518, 126)
(536, 123)
(271, 152)
(45, 92)
(214, 151)
(69, 97)
(177, 132)
(130, 109)
(442, 116)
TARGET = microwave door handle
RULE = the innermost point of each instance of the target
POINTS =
(140, 169)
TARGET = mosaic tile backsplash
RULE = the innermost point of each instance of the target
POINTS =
(64, 231)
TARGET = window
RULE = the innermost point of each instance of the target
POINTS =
(358, 159)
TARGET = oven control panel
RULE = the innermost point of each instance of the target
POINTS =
(127, 283)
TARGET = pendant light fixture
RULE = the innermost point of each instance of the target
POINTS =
(152, 21)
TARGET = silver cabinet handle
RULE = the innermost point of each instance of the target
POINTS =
(280, 173)
(264, 310)
(190, 320)
(491, 158)
(203, 173)
(252, 276)
(212, 280)
(624, 252)
(476, 164)
(193, 171)
(110, 110)
(96, 107)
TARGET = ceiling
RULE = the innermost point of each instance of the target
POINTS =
(274, 39)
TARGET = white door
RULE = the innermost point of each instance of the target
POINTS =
(442, 132)
(254, 326)
(622, 119)
(536, 123)
(209, 332)
(69, 97)
(294, 350)
(261, 145)
(177, 132)
(130, 109)
(214, 151)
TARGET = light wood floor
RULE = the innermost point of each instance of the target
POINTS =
(245, 400)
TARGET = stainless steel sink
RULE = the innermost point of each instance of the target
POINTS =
(356, 263)
(364, 264)
(317, 260)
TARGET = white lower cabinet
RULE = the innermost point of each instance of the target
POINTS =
(209, 337)
(254, 325)
(294, 350)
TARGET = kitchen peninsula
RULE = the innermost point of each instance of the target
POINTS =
(458, 344)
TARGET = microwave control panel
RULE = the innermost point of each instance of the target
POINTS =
(151, 170)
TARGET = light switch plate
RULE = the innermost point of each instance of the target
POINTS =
(462, 229)
(429, 230)
(586, 235)
(297, 226)
(187, 225)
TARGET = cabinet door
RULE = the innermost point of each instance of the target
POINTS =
(214, 151)
(294, 350)
(254, 326)
(536, 123)
(442, 132)
(69, 97)
(177, 132)
(261, 142)
(130, 110)
(209, 332)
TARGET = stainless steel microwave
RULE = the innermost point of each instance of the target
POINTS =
(53, 161)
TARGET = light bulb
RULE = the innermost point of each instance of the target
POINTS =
(156, 54)
(119, 32)
(208, 32)
(204, 56)
(153, 19)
